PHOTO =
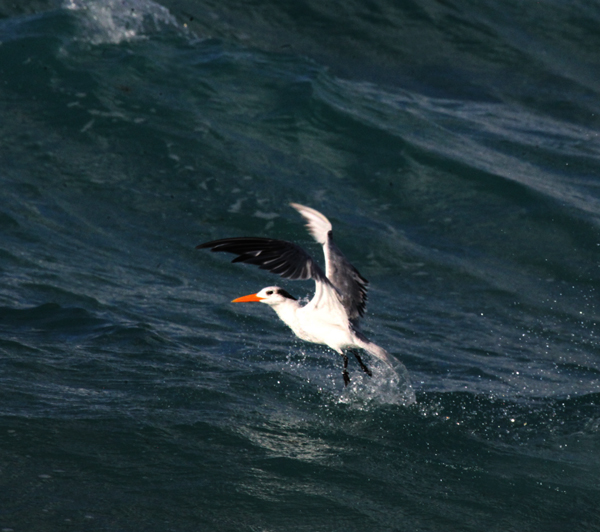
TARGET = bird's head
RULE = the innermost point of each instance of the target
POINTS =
(271, 295)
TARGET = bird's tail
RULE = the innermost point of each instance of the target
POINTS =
(375, 350)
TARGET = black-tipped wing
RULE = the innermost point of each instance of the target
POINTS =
(277, 256)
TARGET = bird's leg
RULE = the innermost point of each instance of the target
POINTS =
(345, 372)
(362, 364)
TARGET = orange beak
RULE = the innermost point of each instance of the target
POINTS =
(247, 299)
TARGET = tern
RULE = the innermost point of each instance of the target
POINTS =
(331, 317)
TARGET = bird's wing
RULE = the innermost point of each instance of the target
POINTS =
(277, 256)
(351, 285)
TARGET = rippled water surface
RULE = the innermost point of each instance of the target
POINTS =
(453, 145)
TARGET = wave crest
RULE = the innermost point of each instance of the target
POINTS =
(115, 21)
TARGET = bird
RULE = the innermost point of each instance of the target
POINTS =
(332, 316)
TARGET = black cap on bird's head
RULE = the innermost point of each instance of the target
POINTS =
(269, 295)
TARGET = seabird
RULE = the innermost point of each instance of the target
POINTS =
(331, 317)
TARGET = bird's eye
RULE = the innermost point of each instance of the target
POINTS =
(270, 292)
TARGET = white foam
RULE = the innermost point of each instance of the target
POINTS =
(115, 21)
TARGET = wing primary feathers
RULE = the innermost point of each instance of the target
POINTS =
(277, 256)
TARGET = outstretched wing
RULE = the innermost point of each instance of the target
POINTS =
(351, 285)
(277, 256)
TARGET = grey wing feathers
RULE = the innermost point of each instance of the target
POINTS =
(351, 285)
(277, 256)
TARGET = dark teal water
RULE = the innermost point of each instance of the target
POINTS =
(455, 148)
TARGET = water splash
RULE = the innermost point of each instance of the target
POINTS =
(115, 21)
(388, 385)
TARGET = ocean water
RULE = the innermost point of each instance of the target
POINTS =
(455, 147)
